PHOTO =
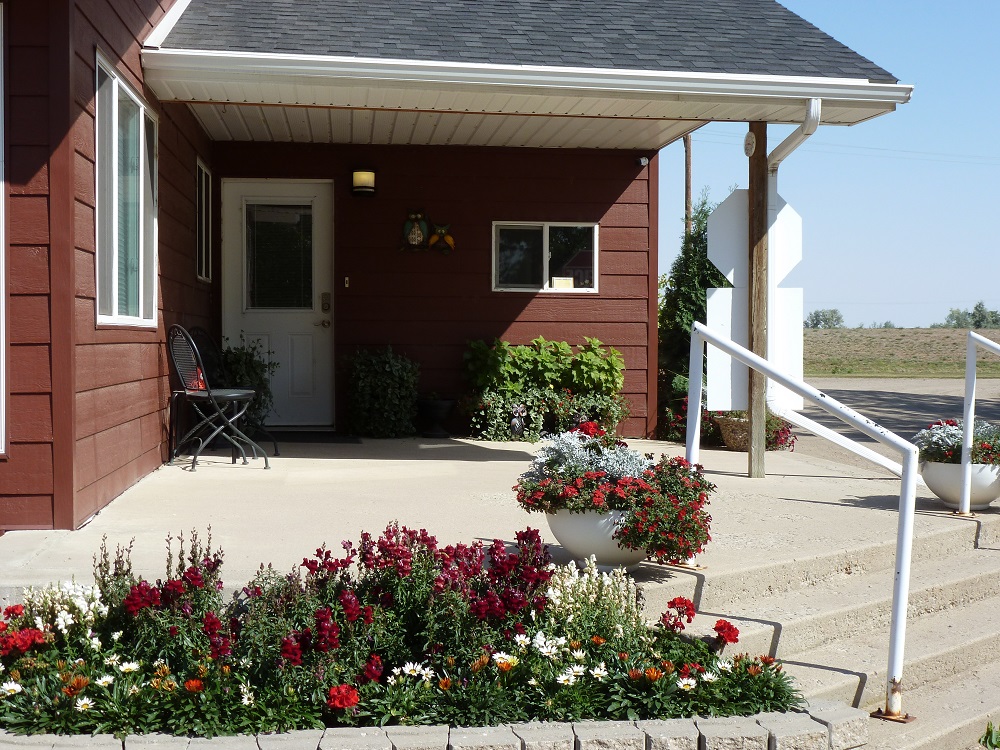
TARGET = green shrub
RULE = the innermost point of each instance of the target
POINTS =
(249, 365)
(547, 378)
(383, 400)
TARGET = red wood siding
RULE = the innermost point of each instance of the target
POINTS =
(429, 305)
(26, 495)
(87, 406)
(121, 387)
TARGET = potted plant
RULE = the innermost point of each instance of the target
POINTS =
(734, 426)
(601, 498)
(940, 445)
(250, 365)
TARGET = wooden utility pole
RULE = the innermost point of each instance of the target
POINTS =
(758, 294)
(688, 225)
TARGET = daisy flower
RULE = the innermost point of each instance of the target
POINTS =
(566, 678)
(710, 677)
(687, 683)
(412, 668)
(522, 640)
(129, 666)
(105, 680)
(83, 703)
(11, 688)
(599, 672)
(578, 654)
(725, 665)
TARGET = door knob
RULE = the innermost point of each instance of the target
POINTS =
(324, 323)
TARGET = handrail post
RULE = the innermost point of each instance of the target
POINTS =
(696, 369)
(968, 424)
(901, 586)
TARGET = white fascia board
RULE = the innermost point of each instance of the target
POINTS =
(244, 67)
(159, 34)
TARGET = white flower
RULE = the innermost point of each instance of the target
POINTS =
(578, 670)
(710, 677)
(533, 682)
(11, 688)
(113, 659)
(83, 703)
(499, 656)
(116, 636)
(548, 650)
(1, 667)
(566, 678)
(427, 674)
(412, 668)
(599, 672)
(560, 641)
(133, 690)
(129, 666)
(247, 695)
(687, 683)
(578, 654)
(105, 680)
(725, 665)
(95, 643)
(522, 640)
(392, 679)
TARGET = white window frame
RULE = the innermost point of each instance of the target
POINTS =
(148, 277)
(203, 221)
(545, 226)
(3, 247)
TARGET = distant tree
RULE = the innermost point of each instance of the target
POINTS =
(875, 324)
(979, 317)
(824, 319)
(683, 298)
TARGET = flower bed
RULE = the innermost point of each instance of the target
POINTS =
(396, 630)
(585, 469)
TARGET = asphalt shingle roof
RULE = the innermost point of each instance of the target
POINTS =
(704, 36)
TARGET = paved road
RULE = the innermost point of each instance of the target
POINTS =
(902, 405)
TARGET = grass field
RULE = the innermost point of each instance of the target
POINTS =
(894, 352)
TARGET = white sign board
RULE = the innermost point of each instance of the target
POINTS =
(728, 309)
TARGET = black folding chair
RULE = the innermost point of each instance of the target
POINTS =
(217, 410)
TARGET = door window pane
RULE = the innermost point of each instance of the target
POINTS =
(571, 255)
(279, 258)
(519, 257)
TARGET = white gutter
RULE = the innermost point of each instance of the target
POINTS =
(796, 138)
(248, 67)
(159, 34)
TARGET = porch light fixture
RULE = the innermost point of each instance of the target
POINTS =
(363, 182)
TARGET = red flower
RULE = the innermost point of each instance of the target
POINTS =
(342, 696)
(373, 670)
(727, 632)
(14, 610)
(140, 596)
(194, 686)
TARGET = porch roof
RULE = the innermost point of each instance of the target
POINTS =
(628, 74)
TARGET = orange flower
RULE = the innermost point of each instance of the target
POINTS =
(75, 686)
(445, 683)
(479, 663)
(504, 666)
(668, 666)
(225, 669)
(623, 655)
(767, 660)
(635, 674)
(450, 661)
(575, 644)
(202, 670)
(755, 669)
(194, 686)
(597, 640)
(653, 674)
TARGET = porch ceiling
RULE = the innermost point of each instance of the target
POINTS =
(304, 98)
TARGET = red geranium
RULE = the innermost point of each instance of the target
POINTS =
(727, 632)
(342, 696)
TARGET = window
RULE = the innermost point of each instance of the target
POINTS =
(126, 204)
(203, 191)
(544, 257)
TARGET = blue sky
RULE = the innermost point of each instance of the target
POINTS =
(901, 214)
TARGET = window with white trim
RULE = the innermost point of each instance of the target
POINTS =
(203, 227)
(126, 204)
(544, 257)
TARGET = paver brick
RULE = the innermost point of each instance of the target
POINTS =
(544, 735)
(670, 734)
(848, 726)
(155, 741)
(483, 738)
(608, 735)
(418, 738)
(235, 742)
(794, 731)
(734, 733)
(353, 738)
(304, 739)
(33, 741)
(97, 741)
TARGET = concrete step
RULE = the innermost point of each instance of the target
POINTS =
(939, 646)
(806, 618)
(950, 714)
(734, 588)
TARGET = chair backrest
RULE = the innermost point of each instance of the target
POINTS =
(186, 360)
(211, 357)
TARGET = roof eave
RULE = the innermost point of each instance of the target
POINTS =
(247, 68)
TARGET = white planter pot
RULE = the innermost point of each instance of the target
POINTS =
(945, 481)
(590, 533)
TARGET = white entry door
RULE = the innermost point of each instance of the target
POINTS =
(277, 288)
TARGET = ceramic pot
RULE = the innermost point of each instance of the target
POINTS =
(945, 481)
(590, 533)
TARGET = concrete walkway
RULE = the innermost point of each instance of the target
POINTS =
(459, 490)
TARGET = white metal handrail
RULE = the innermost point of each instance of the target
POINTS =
(973, 343)
(700, 335)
